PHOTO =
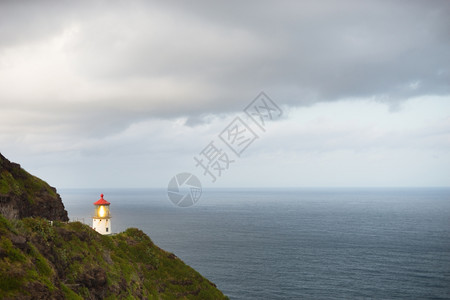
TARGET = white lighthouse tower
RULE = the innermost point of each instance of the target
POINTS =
(101, 221)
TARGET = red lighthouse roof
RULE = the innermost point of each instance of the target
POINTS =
(101, 201)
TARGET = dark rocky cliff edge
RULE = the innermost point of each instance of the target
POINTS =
(69, 260)
(24, 195)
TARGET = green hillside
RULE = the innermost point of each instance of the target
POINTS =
(24, 195)
(40, 260)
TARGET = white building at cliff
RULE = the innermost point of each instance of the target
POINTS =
(101, 221)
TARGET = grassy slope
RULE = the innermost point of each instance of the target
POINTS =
(71, 261)
(20, 181)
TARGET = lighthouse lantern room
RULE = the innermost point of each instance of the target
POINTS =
(101, 221)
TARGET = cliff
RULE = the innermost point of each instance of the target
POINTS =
(40, 260)
(24, 195)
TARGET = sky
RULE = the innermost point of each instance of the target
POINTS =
(128, 93)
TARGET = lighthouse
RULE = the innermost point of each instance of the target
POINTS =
(101, 221)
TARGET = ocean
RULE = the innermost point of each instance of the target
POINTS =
(334, 243)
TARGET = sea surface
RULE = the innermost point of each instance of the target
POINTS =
(296, 243)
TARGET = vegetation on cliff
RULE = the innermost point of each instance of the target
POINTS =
(40, 260)
(24, 195)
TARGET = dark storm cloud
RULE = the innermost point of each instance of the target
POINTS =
(124, 93)
(335, 49)
(142, 59)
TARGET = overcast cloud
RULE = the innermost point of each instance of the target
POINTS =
(139, 87)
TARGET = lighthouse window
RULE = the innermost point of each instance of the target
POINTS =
(106, 229)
